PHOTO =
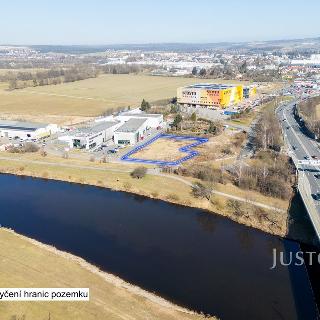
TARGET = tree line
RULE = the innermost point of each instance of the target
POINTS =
(307, 110)
(124, 68)
(23, 79)
(230, 71)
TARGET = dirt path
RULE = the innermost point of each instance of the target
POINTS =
(151, 172)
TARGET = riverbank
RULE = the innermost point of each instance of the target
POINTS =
(264, 213)
(29, 263)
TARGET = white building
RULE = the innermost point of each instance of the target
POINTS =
(313, 61)
(26, 130)
(153, 120)
(131, 131)
(91, 137)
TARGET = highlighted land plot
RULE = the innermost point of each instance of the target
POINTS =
(165, 150)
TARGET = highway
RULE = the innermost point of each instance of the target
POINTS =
(305, 149)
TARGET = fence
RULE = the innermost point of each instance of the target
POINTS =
(186, 149)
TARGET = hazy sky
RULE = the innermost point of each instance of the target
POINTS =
(141, 21)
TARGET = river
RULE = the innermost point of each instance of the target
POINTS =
(199, 260)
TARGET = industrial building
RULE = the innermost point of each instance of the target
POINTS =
(131, 131)
(212, 95)
(125, 128)
(153, 120)
(26, 130)
(91, 137)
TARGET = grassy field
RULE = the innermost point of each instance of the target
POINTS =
(25, 263)
(90, 97)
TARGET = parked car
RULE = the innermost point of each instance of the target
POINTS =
(112, 151)
(314, 157)
(316, 196)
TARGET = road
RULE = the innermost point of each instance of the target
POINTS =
(302, 148)
(300, 145)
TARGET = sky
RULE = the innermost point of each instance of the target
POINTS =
(101, 22)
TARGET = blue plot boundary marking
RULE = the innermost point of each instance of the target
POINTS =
(186, 149)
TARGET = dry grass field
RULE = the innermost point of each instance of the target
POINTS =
(31, 70)
(25, 263)
(162, 149)
(89, 97)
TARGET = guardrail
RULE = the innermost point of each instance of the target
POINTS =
(305, 192)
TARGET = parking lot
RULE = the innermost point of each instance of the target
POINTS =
(114, 152)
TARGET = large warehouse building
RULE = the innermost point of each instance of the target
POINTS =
(131, 131)
(26, 130)
(213, 95)
(91, 137)
(153, 120)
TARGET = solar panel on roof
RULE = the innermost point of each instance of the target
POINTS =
(209, 86)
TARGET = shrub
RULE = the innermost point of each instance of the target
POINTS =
(173, 197)
(139, 173)
(127, 185)
(174, 109)
(155, 194)
(226, 150)
(207, 173)
(14, 150)
(30, 147)
(235, 206)
(215, 128)
(104, 159)
(43, 153)
(200, 190)
(193, 117)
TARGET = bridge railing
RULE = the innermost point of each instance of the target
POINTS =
(304, 186)
(305, 192)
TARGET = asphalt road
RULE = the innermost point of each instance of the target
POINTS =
(301, 147)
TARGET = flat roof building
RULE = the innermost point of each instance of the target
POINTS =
(210, 95)
(91, 137)
(154, 120)
(26, 130)
(131, 131)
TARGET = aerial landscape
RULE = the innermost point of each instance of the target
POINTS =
(156, 163)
